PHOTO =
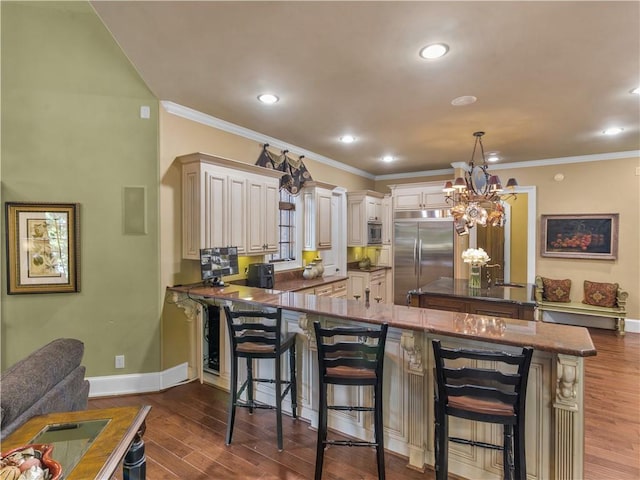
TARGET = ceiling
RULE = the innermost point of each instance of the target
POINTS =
(549, 77)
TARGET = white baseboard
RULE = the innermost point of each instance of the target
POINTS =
(110, 385)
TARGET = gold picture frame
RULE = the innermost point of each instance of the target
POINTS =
(590, 236)
(43, 247)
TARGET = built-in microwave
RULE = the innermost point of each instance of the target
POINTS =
(374, 233)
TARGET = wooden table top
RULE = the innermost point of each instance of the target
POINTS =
(108, 449)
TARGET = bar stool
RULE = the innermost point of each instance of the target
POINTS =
(257, 340)
(357, 362)
(483, 395)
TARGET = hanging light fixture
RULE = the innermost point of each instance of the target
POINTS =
(477, 197)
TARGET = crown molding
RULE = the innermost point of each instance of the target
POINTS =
(203, 118)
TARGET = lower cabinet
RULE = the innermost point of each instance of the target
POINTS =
(376, 281)
(491, 308)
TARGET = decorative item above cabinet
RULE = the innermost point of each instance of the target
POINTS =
(317, 215)
(228, 203)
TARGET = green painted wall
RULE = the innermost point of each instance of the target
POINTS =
(72, 132)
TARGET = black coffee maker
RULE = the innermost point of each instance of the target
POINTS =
(260, 275)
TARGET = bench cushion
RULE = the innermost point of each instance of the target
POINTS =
(556, 290)
(600, 294)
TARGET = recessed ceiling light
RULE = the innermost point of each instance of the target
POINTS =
(387, 159)
(435, 50)
(268, 98)
(493, 157)
(636, 90)
(613, 131)
(347, 139)
(464, 100)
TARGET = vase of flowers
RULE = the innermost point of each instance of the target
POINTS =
(476, 258)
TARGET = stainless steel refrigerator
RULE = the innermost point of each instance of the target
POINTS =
(422, 250)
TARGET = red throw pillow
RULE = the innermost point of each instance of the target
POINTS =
(556, 290)
(600, 294)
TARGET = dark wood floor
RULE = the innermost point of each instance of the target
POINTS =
(186, 428)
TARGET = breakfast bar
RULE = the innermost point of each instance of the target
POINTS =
(555, 398)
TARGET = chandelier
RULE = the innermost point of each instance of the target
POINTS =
(477, 198)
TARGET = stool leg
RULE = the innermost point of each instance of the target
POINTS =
(294, 382)
(250, 384)
(233, 397)
(279, 401)
(520, 456)
(379, 429)
(322, 429)
(441, 433)
(507, 453)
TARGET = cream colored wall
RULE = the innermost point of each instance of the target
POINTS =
(608, 186)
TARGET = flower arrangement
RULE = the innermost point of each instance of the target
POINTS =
(475, 256)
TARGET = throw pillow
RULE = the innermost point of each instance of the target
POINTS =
(556, 290)
(600, 294)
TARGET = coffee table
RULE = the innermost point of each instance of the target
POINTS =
(90, 444)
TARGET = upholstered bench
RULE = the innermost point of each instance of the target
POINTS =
(617, 312)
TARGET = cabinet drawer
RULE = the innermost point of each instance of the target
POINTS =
(448, 304)
(340, 288)
(324, 290)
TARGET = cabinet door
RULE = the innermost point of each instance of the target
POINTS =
(407, 199)
(271, 213)
(387, 220)
(215, 201)
(357, 223)
(374, 209)
(378, 287)
(357, 282)
(384, 256)
(237, 213)
(323, 221)
(255, 217)
(443, 303)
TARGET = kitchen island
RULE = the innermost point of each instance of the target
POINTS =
(555, 399)
(454, 295)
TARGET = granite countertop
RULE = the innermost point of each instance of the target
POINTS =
(542, 336)
(372, 268)
(297, 284)
(459, 288)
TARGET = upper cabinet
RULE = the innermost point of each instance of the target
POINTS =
(362, 207)
(228, 203)
(418, 196)
(387, 219)
(317, 197)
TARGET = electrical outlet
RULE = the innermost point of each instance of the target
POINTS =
(119, 361)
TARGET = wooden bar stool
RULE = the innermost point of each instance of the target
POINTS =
(260, 338)
(350, 361)
(483, 395)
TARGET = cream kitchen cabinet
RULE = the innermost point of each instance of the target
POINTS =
(387, 220)
(376, 281)
(221, 199)
(418, 196)
(334, 290)
(262, 215)
(362, 207)
(317, 198)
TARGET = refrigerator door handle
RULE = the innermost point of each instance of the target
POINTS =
(419, 260)
(415, 252)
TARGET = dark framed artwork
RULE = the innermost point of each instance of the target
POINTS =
(593, 236)
(43, 247)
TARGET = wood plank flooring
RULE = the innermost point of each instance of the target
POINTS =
(187, 424)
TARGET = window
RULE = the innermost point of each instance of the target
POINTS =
(288, 246)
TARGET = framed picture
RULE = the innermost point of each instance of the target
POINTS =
(580, 236)
(43, 247)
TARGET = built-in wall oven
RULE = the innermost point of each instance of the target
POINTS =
(374, 233)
